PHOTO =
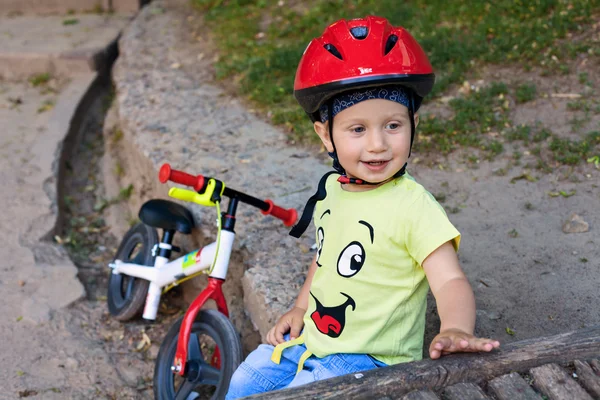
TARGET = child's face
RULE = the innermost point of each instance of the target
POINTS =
(372, 139)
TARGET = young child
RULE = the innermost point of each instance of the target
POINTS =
(382, 239)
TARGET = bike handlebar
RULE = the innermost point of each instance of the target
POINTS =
(288, 216)
(267, 207)
(167, 174)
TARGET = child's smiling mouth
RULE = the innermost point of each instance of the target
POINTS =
(376, 165)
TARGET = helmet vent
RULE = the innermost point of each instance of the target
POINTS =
(359, 32)
(331, 48)
(389, 45)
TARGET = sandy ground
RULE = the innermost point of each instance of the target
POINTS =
(530, 277)
(46, 351)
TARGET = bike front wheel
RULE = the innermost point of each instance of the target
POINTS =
(214, 353)
(127, 295)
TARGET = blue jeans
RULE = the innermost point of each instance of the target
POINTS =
(258, 374)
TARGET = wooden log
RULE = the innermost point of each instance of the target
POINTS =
(400, 379)
(512, 387)
(556, 384)
(421, 395)
(587, 378)
(464, 391)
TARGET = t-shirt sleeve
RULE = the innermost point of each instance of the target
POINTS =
(427, 228)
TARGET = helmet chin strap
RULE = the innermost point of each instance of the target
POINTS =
(336, 162)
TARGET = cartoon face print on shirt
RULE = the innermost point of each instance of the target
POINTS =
(330, 319)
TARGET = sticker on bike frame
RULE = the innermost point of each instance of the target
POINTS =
(190, 259)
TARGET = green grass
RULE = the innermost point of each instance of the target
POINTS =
(260, 43)
(573, 152)
(525, 93)
(70, 21)
(40, 79)
(475, 115)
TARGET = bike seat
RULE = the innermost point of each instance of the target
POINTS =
(167, 215)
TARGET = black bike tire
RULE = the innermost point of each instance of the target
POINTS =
(133, 305)
(227, 339)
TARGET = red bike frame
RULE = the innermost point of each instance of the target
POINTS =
(212, 291)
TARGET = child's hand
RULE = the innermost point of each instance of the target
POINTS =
(457, 341)
(291, 321)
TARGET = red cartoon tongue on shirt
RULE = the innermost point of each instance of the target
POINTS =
(331, 320)
(326, 322)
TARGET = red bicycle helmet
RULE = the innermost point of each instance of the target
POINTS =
(357, 54)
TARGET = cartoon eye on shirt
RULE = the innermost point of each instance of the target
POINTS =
(351, 260)
(331, 320)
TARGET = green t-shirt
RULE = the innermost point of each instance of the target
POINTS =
(369, 293)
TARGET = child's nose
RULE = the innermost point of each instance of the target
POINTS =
(376, 141)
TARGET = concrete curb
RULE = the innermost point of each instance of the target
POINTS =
(169, 111)
(58, 282)
(33, 45)
(59, 285)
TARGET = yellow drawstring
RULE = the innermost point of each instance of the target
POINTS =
(277, 352)
(303, 358)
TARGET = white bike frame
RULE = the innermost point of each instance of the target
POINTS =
(165, 272)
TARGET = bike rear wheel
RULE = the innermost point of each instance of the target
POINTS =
(214, 350)
(127, 295)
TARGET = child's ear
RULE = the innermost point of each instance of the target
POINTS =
(322, 130)
(416, 120)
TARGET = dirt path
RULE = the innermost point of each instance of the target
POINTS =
(45, 351)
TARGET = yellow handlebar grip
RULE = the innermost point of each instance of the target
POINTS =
(203, 199)
(183, 194)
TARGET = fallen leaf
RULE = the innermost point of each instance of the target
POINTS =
(299, 155)
(15, 101)
(510, 331)
(525, 176)
(565, 194)
(46, 106)
(143, 344)
(562, 193)
(27, 393)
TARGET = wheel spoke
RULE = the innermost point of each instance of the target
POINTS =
(194, 352)
(185, 390)
(210, 375)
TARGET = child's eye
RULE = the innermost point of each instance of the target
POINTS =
(393, 126)
(358, 129)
